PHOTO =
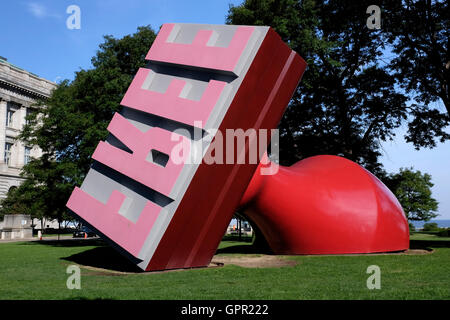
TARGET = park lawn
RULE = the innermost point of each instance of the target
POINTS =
(427, 236)
(37, 270)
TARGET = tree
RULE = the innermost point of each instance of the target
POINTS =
(419, 31)
(348, 101)
(413, 191)
(73, 122)
(431, 226)
(25, 199)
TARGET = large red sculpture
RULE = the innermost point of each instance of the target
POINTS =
(325, 205)
(146, 196)
(149, 201)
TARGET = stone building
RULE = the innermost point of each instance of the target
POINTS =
(16, 226)
(19, 90)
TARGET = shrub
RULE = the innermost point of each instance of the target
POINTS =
(411, 227)
(444, 233)
(431, 226)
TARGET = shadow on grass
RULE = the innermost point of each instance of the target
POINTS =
(103, 257)
(426, 244)
(236, 238)
(252, 249)
(106, 257)
(244, 249)
(68, 242)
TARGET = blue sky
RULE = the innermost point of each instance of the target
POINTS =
(398, 154)
(35, 37)
(38, 40)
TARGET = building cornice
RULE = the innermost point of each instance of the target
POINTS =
(26, 83)
(23, 89)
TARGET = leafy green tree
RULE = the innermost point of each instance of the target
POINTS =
(419, 31)
(25, 199)
(444, 232)
(72, 123)
(413, 191)
(431, 226)
(349, 100)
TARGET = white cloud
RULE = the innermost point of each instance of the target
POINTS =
(37, 10)
(40, 11)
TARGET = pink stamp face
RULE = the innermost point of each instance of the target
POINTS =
(199, 77)
(171, 104)
(203, 51)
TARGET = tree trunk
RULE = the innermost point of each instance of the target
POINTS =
(239, 226)
(42, 225)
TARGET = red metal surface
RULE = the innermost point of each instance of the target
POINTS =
(326, 205)
(215, 191)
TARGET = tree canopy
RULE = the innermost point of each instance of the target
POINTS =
(419, 33)
(352, 96)
(413, 191)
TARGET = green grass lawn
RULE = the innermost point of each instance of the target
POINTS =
(37, 270)
(427, 236)
(65, 235)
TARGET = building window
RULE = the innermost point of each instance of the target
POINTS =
(27, 155)
(10, 110)
(29, 112)
(7, 158)
(9, 117)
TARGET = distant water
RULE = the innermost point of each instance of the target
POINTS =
(441, 223)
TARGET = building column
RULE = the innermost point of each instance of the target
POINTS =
(20, 147)
(3, 106)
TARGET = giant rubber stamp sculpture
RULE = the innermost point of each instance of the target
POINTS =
(164, 211)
